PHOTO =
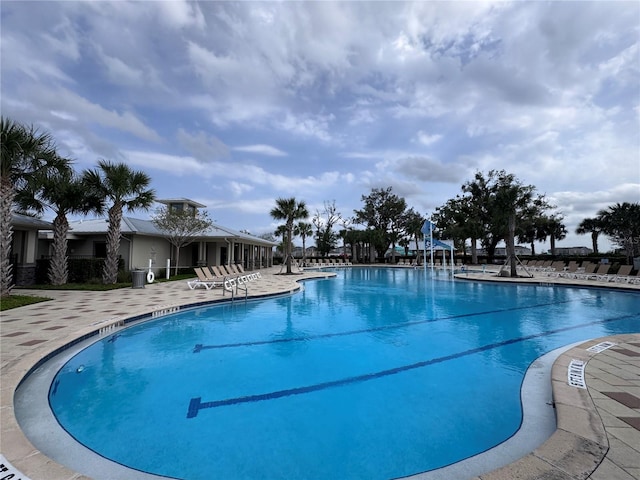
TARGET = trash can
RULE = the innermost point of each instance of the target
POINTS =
(137, 278)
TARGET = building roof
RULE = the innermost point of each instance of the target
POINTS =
(30, 223)
(169, 201)
(136, 226)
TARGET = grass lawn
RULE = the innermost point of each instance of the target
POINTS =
(15, 301)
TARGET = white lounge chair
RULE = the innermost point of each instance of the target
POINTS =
(204, 280)
(622, 275)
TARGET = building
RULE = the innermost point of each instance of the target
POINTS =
(24, 247)
(502, 251)
(142, 244)
(573, 251)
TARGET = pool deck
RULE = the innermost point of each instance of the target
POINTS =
(598, 428)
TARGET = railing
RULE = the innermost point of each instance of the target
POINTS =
(232, 284)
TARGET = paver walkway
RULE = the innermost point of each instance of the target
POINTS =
(598, 434)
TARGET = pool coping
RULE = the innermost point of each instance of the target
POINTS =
(578, 449)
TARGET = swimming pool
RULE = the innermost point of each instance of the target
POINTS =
(379, 373)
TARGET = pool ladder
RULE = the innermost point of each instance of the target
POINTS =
(233, 285)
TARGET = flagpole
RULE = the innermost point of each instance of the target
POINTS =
(424, 245)
(431, 242)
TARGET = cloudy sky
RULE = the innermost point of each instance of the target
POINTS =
(236, 104)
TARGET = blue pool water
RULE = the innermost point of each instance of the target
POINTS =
(376, 374)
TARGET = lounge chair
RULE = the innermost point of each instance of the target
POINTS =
(555, 269)
(602, 269)
(569, 270)
(213, 273)
(546, 266)
(635, 279)
(217, 272)
(588, 269)
(602, 273)
(204, 280)
(622, 275)
(226, 270)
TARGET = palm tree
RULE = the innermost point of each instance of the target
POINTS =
(64, 193)
(413, 227)
(24, 151)
(124, 189)
(289, 210)
(592, 226)
(281, 231)
(557, 231)
(303, 230)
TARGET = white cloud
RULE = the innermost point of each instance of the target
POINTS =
(205, 148)
(175, 165)
(121, 73)
(181, 14)
(360, 90)
(239, 188)
(426, 139)
(261, 149)
(316, 126)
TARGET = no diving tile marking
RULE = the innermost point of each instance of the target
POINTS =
(601, 347)
(575, 374)
(8, 471)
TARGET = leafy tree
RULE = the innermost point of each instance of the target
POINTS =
(181, 227)
(500, 201)
(24, 152)
(63, 192)
(124, 189)
(383, 213)
(289, 210)
(303, 230)
(461, 219)
(621, 223)
(592, 226)
(326, 238)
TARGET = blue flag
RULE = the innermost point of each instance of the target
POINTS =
(427, 227)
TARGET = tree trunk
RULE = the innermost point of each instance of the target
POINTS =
(110, 272)
(594, 241)
(177, 258)
(304, 251)
(552, 241)
(7, 194)
(58, 267)
(511, 245)
(474, 252)
(288, 247)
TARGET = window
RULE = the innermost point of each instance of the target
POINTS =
(100, 249)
